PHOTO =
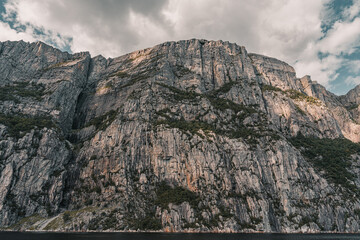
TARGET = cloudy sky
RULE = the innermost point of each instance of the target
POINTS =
(320, 38)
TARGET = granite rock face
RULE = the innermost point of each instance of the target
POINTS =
(192, 135)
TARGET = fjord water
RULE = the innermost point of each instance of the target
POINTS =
(172, 236)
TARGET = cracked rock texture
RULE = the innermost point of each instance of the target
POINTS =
(192, 135)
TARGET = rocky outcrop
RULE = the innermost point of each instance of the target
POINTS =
(186, 136)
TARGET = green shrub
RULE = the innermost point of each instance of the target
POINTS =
(265, 87)
(352, 107)
(109, 85)
(120, 74)
(190, 225)
(56, 173)
(218, 103)
(233, 129)
(180, 71)
(102, 122)
(299, 110)
(165, 194)
(308, 219)
(191, 126)
(223, 89)
(88, 202)
(148, 223)
(110, 221)
(194, 126)
(179, 94)
(20, 124)
(256, 220)
(139, 76)
(66, 217)
(293, 94)
(333, 156)
(224, 212)
(96, 189)
(21, 89)
(94, 223)
(222, 104)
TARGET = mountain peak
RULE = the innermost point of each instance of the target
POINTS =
(192, 135)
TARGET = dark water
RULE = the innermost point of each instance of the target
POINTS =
(171, 236)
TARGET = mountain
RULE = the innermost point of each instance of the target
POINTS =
(192, 135)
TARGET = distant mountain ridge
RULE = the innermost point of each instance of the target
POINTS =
(192, 135)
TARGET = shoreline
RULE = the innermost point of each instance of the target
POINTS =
(178, 232)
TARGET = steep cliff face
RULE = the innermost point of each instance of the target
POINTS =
(186, 136)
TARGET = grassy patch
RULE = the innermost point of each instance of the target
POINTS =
(30, 220)
(179, 94)
(146, 74)
(293, 94)
(333, 156)
(54, 224)
(102, 122)
(222, 104)
(233, 129)
(59, 64)
(120, 74)
(216, 102)
(265, 87)
(180, 71)
(223, 89)
(21, 89)
(194, 126)
(20, 124)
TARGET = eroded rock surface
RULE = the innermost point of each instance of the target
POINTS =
(192, 135)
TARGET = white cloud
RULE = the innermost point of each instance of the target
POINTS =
(352, 80)
(352, 11)
(101, 27)
(353, 66)
(288, 30)
(7, 33)
(342, 38)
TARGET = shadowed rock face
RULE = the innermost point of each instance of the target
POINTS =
(186, 136)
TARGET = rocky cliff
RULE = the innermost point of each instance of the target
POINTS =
(186, 136)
